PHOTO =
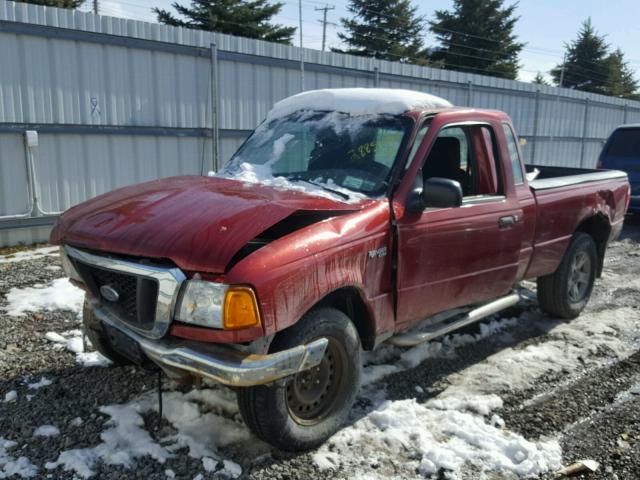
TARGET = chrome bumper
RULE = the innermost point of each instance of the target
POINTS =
(179, 358)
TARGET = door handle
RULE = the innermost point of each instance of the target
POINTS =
(506, 222)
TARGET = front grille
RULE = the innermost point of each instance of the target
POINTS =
(137, 296)
(125, 285)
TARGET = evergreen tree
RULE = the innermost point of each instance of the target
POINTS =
(56, 3)
(477, 37)
(586, 66)
(539, 79)
(244, 18)
(620, 82)
(385, 29)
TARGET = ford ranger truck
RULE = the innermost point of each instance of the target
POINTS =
(349, 218)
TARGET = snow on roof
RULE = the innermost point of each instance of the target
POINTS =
(358, 101)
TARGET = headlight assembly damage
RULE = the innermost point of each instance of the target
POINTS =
(216, 305)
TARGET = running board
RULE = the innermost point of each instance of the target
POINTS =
(439, 329)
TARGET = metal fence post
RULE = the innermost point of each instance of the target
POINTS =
(215, 149)
(469, 93)
(30, 142)
(625, 112)
(534, 137)
(376, 76)
(584, 131)
(32, 208)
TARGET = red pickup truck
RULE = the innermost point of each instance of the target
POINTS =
(348, 217)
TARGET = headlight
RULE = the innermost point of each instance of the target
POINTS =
(68, 267)
(216, 305)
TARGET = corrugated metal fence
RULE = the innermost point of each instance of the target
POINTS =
(118, 101)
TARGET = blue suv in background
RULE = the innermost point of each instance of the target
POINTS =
(622, 152)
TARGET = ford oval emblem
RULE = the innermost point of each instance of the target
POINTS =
(109, 293)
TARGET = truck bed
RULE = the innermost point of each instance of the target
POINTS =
(553, 177)
(565, 198)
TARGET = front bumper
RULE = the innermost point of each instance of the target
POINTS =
(180, 358)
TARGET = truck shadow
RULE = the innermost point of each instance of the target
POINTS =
(631, 228)
(431, 374)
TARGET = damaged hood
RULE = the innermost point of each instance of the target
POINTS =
(198, 223)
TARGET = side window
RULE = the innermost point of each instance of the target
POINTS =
(450, 158)
(485, 152)
(514, 154)
(467, 154)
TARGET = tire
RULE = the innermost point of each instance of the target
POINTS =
(293, 415)
(566, 292)
(94, 330)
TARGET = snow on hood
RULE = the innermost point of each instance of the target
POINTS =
(358, 101)
(248, 173)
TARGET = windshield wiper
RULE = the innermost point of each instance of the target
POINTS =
(318, 184)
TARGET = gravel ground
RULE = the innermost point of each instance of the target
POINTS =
(592, 408)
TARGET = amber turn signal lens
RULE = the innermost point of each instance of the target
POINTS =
(240, 309)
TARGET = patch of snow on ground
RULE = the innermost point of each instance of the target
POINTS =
(226, 468)
(458, 425)
(11, 467)
(10, 396)
(46, 431)
(72, 341)
(196, 417)
(29, 254)
(43, 382)
(76, 422)
(58, 295)
(122, 443)
(482, 404)
(570, 346)
(55, 337)
(92, 359)
(443, 437)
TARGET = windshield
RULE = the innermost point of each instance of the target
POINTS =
(327, 149)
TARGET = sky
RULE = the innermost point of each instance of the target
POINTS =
(545, 25)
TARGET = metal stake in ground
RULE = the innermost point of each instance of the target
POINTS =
(159, 400)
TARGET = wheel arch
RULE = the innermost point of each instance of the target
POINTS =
(599, 228)
(350, 302)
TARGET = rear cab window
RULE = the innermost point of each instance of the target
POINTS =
(514, 154)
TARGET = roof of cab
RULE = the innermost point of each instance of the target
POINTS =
(359, 101)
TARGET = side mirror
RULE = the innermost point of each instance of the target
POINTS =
(436, 192)
(442, 193)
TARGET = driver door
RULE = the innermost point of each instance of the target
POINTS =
(451, 257)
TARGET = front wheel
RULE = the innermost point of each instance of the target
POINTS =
(302, 412)
(566, 292)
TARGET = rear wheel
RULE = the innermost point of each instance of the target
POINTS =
(566, 292)
(94, 330)
(309, 407)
